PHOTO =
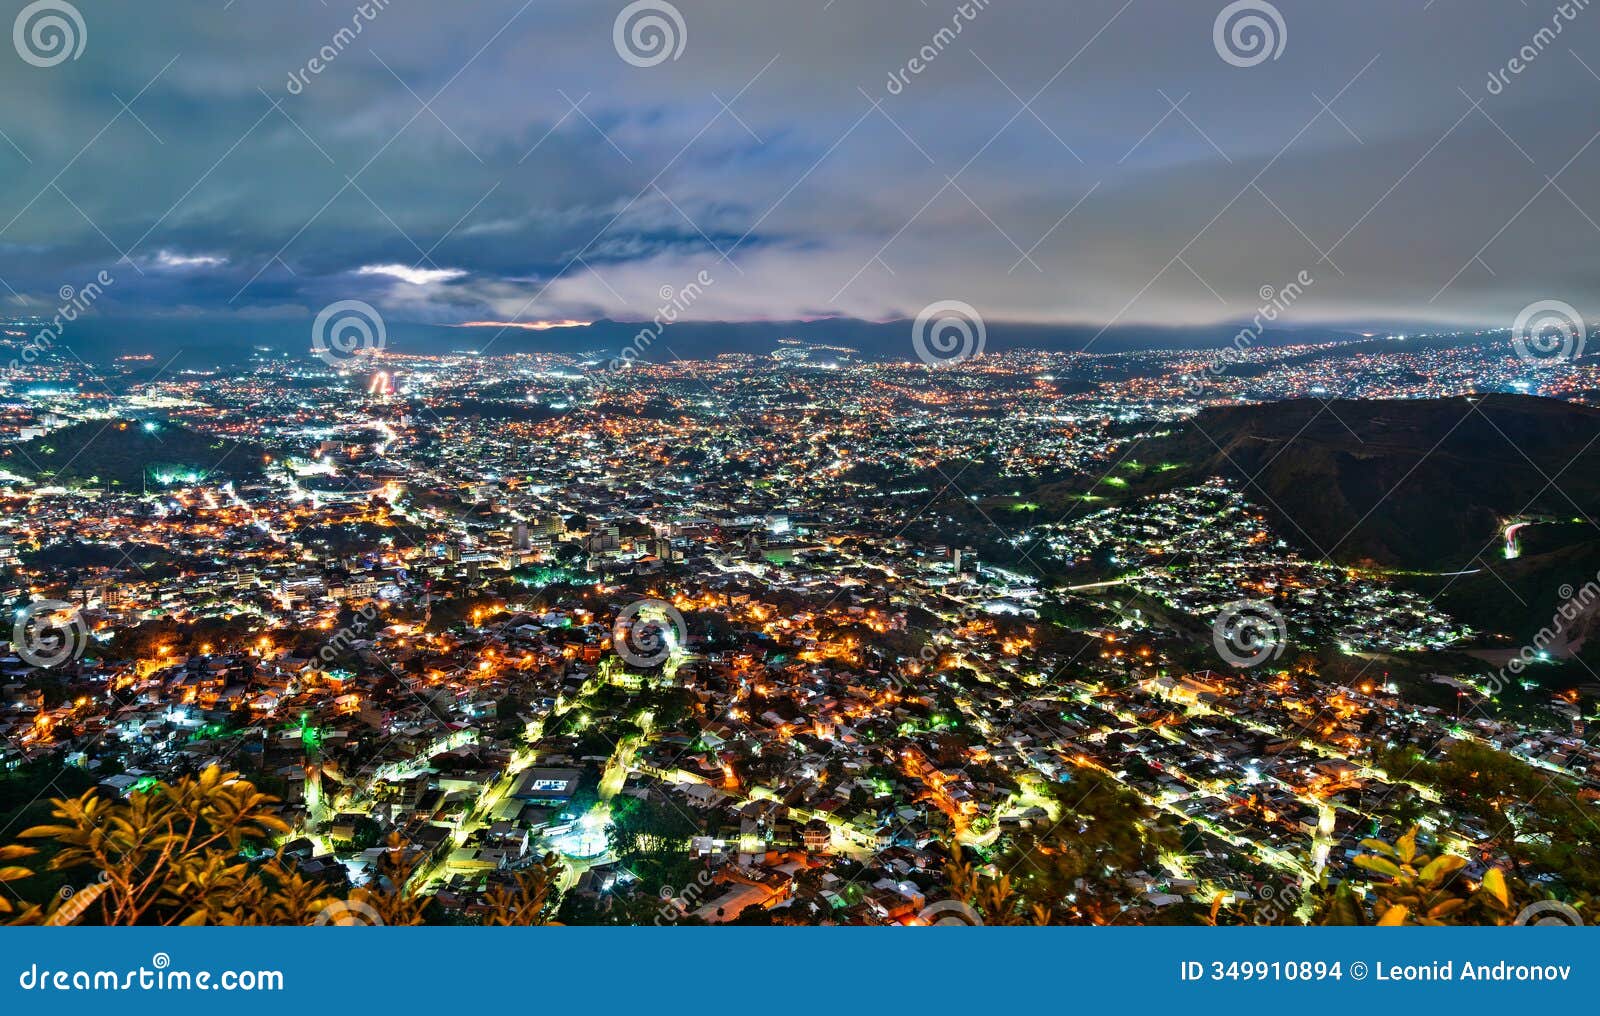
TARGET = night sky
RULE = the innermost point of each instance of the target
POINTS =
(500, 161)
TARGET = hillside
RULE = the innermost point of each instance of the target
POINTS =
(1421, 486)
(126, 455)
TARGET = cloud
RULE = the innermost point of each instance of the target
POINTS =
(1103, 165)
(415, 276)
(172, 259)
(528, 326)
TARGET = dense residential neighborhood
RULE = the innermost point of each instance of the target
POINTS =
(782, 639)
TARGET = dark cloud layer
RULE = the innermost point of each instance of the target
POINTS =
(505, 163)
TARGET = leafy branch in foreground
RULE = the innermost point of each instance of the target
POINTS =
(994, 898)
(1415, 888)
(180, 854)
(167, 856)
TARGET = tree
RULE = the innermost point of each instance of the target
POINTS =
(523, 902)
(16, 873)
(1414, 888)
(1104, 830)
(645, 827)
(170, 855)
(994, 898)
(275, 895)
(178, 854)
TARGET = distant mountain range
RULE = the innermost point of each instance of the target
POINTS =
(204, 343)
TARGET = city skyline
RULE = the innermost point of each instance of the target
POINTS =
(697, 462)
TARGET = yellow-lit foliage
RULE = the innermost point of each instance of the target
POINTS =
(174, 855)
(994, 898)
(15, 873)
(524, 904)
(399, 904)
(170, 855)
(276, 895)
(1413, 888)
